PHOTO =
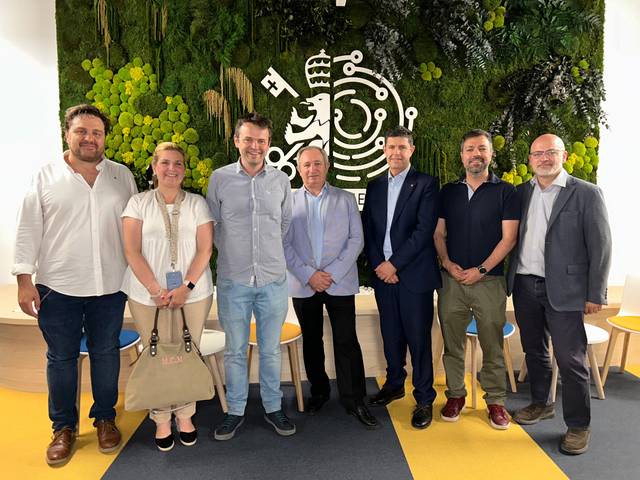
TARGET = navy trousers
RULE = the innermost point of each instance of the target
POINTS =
(62, 319)
(405, 322)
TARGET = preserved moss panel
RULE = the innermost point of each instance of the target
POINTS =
(464, 92)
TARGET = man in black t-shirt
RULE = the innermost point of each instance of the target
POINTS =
(477, 227)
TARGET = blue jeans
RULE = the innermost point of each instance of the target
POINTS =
(62, 319)
(269, 304)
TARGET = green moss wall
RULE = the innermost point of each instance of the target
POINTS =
(503, 49)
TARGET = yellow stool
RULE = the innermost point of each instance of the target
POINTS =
(289, 336)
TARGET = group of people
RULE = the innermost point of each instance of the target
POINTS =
(93, 242)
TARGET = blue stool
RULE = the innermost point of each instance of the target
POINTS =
(472, 335)
(128, 339)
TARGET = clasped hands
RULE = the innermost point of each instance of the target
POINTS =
(387, 272)
(320, 281)
(175, 298)
(465, 277)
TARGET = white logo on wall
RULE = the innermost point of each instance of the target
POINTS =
(356, 155)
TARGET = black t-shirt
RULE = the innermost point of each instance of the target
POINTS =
(474, 226)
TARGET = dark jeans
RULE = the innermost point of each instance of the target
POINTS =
(62, 319)
(405, 321)
(537, 320)
(346, 349)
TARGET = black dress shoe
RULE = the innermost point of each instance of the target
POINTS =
(385, 397)
(315, 403)
(363, 414)
(422, 416)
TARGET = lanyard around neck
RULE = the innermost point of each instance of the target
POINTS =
(171, 223)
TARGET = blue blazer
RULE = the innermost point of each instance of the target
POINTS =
(412, 227)
(342, 243)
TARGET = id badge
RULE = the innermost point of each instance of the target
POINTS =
(174, 279)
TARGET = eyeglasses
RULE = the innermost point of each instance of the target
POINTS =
(250, 141)
(551, 153)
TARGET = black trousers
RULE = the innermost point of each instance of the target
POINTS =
(537, 319)
(346, 349)
(405, 321)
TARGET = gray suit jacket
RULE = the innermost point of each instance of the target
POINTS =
(342, 243)
(577, 246)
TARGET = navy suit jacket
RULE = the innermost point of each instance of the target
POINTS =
(412, 227)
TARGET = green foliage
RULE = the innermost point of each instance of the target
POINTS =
(539, 94)
(457, 27)
(485, 73)
(296, 20)
(546, 26)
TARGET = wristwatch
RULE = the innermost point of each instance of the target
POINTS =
(481, 269)
(189, 285)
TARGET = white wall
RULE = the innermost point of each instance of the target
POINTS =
(31, 133)
(618, 149)
(29, 120)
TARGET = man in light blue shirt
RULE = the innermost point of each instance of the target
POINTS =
(321, 248)
(399, 217)
(395, 185)
(250, 202)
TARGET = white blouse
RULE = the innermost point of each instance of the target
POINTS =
(155, 245)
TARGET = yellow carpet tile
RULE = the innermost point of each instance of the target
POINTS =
(28, 432)
(469, 448)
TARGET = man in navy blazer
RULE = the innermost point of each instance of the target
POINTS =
(321, 249)
(558, 273)
(399, 218)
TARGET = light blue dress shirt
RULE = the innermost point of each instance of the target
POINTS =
(395, 185)
(316, 212)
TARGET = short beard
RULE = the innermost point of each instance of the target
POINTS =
(89, 159)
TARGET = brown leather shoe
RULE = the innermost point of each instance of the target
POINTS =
(60, 449)
(533, 414)
(575, 441)
(108, 435)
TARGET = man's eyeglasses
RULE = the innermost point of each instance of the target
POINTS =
(551, 153)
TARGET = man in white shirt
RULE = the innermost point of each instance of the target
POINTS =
(69, 235)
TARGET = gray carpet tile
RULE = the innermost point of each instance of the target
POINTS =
(329, 445)
(614, 452)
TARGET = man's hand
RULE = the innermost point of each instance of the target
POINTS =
(470, 276)
(454, 270)
(392, 279)
(320, 281)
(591, 308)
(28, 298)
(385, 271)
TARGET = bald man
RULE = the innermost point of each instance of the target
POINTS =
(558, 273)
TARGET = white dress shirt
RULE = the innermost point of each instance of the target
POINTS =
(155, 245)
(531, 261)
(70, 234)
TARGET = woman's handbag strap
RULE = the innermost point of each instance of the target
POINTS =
(153, 341)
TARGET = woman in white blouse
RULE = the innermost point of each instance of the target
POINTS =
(157, 254)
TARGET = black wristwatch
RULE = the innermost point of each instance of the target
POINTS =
(482, 270)
(190, 285)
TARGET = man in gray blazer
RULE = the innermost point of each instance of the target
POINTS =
(558, 273)
(321, 248)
